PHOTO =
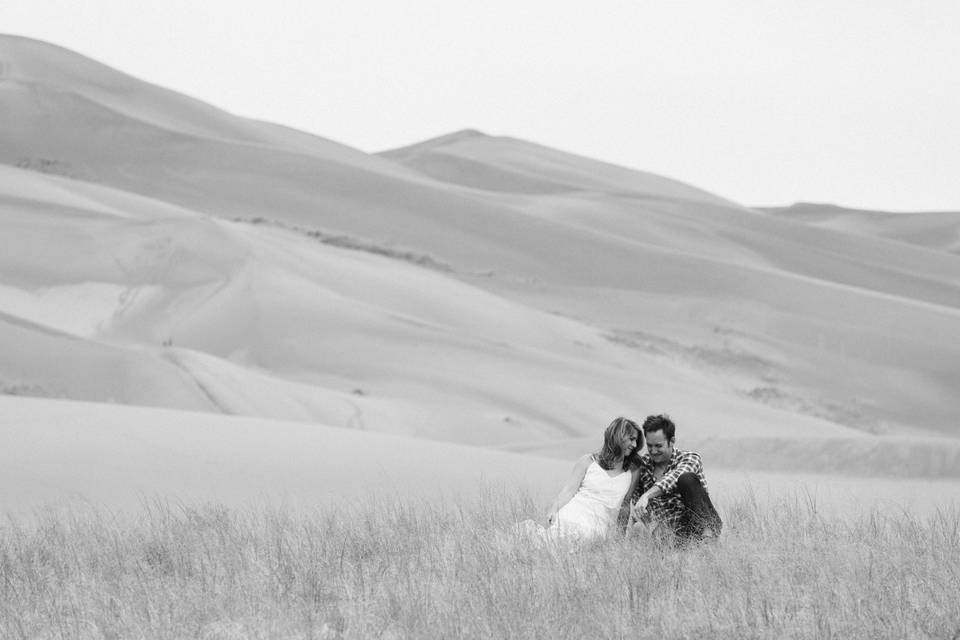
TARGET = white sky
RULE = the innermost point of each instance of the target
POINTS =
(762, 101)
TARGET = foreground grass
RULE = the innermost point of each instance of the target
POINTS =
(407, 570)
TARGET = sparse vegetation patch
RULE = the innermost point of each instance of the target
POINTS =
(49, 166)
(356, 244)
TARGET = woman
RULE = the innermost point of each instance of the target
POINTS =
(597, 493)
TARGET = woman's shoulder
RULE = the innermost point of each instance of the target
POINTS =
(586, 460)
(582, 465)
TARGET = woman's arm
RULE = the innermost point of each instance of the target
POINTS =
(623, 519)
(570, 488)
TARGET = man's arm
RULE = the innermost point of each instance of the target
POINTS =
(689, 462)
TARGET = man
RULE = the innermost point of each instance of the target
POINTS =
(671, 489)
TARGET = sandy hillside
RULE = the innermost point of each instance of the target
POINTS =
(68, 454)
(813, 319)
(931, 229)
(474, 289)
(60, 452)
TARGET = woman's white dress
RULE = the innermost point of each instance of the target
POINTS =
(592, 512)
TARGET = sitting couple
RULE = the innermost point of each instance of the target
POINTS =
(663, 489)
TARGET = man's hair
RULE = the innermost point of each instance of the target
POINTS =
(661, 422)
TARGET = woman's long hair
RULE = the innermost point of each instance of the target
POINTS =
(612, 449)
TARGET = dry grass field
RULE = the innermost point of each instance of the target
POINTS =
(408, 570)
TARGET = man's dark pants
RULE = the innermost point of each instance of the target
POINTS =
(699, 514)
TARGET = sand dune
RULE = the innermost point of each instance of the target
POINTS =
(55, 451)
(476, 289)
(802, 453)
(515, 166)
(455, 361)
(117, 458)
(824, 318)
(45, 363)
(938, 230)
(38, 78)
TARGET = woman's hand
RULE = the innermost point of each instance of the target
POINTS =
(642, 506)
(642, 502)
(640, 511)
(570, 488)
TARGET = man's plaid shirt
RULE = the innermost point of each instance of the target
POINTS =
(668, 507)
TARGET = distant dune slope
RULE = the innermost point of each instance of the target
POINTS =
(472, 288)
(40, 78)
(889, 456)
(938, 230)
(122, 459)
(55, 452)
(265, 320)
(515, 166)
(825, 318)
